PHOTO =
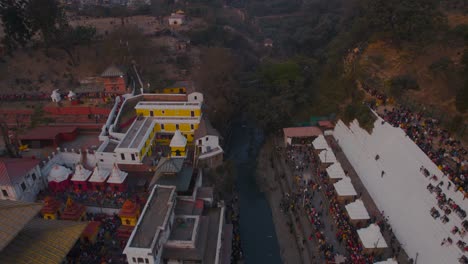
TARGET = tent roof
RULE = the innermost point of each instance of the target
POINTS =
(335, 171)
(310, 131)
(320, 142)
(43, 241)
(344, 187)
(14, 215)
(178, 140)
(357, 211)
(371, 237)
(327, 156)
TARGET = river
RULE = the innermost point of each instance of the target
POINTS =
(257, 231)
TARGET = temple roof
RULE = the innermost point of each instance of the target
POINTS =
(58, 173)
(81, 174)
(129, 208)
(117, 176)
(99, 175)
(12, 171)
(14, 215)
(51, 205)
(43, 241)
(73, 210)
(178, 140)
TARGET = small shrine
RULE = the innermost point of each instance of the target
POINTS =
(128, 214)
(178, 145)
(98, 178)
(58, 178)
(91, 232)
(52, 208)
(74, 211)
(80, 178)
(117, 178)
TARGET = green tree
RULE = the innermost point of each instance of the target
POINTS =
(48, 18)
(16, 24)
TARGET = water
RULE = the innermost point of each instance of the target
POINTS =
(257, 231)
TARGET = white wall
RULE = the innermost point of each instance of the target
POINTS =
(15, 192)
(207, 142)
(195, 97)
(401, 193)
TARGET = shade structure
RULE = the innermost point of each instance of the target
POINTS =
(371, 237)
(335, 171)
(344, 187)
(327, 156)
(320, 143)
(357, 211)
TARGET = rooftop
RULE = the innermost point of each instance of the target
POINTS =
(112, 71)
(12, 171)
(357, 211)
(371, 237)
(205, 129)
(154, 215)
(335, 171)
(344, 187)
(135, 135)
(327, 156)
(310, 131)
(183, 228)
(320, 142)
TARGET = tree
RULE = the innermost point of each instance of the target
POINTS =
(70, 37)
(16, 24)
(48, 18)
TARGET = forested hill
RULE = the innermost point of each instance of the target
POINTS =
(322, 47)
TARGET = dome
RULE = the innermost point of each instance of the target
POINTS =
(58, 173)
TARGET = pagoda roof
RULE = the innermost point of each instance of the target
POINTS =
(129, 208)
(51, 205)
(73, 210)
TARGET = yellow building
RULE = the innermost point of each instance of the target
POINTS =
(129, 213)
(175, 90)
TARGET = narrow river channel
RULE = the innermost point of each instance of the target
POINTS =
(258, 236)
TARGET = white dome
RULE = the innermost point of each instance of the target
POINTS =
(58, 173)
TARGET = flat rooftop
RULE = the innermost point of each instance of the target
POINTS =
(136, 133)
(183, 228)
(110, 147)
(155, 212)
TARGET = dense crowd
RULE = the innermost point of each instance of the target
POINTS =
(105, 249)
(232, 208)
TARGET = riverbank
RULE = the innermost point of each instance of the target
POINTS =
(268, 180)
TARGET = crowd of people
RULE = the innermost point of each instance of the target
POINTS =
(105, 249)
(232, 208)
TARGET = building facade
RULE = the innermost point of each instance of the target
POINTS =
(20, 179)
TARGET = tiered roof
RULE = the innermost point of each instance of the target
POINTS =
(129, 209)
(51, 205)
(73, 210)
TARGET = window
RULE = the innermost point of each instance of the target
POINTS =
(146, 260)
(162, 125)
(140, 260)
(23, 186)
(122, 156)
(101, 160)
(177, 126)
(133, 156)
(191, 126)
(34, 176)
(206, 139)
(134, 259)
(163, 112)
(195, 97)
(127, 221)
(192, 113)
(5, 193)
(151, 113)
(199, 142)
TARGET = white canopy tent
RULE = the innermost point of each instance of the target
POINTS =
(320, 142)
(327, 156)
(371, 237)
(344, 187)
(335, 171)
(357, 211)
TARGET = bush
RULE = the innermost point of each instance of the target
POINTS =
(402, 83)
(360, 112)
(441, 65)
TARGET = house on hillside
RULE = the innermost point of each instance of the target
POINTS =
(20, 179)
(114, 80)
(207, 142)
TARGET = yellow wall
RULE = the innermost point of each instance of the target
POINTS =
(133, 221)
(175, 149)
(50, 216)
(169, 112)
(175, 90)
